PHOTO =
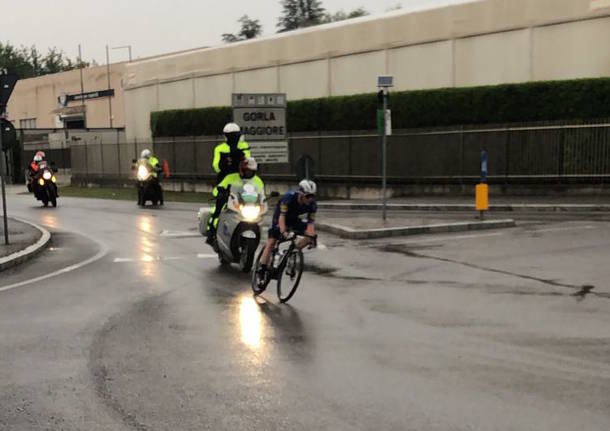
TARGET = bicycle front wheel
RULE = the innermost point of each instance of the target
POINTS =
(289, 275)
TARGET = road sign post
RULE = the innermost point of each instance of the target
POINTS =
(2, 174)
(7, 136)
(384, 82)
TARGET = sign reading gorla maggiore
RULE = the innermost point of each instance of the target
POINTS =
(262, 118)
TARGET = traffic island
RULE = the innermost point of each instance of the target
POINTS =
(368, 228)
(26, 240)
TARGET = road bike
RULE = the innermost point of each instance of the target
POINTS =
(286, 267)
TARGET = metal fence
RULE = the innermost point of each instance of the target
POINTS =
(526, 153)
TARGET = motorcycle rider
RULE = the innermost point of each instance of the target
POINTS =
(156, 168)
(33, 167)
(286, 218)
(246, 173)
(229, 154)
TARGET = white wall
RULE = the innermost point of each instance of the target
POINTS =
(422, 66)
(355, 74)
(573, 50)
(307, 80)
(213, 90)
(493, 59)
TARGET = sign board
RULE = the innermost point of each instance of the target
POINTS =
(64, 99)
(7, 84)
(385, 81)
(262, 118)
(269, 151)
(9, 135)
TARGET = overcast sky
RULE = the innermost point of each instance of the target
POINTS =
(151, 27)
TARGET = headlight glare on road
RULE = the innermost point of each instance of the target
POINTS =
(47, 175)
(250, 212)
(143, 173)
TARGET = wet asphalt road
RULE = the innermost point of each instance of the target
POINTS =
(498, 330)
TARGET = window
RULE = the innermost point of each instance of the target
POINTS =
(27, 123)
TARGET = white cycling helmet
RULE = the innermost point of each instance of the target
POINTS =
(308, 187)
(231, 128)
(145, 154)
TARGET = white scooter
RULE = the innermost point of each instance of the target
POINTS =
(238, 233)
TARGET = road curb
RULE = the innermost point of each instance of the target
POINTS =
(349, 233)
(28, 252)
(468, 207)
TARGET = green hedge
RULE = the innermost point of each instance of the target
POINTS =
(535, 101)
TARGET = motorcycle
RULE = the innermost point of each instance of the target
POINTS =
(238, 233)
(44, 184)
(148, 185)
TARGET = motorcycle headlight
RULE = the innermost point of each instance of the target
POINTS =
(250, 212)
(53, 179)
(143, 173)
(41, 181)
(47, 175)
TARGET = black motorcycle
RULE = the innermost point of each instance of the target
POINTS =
(148, 185)
(44, 184)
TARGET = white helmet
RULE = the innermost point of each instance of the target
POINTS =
(308, 187)
(39, 156)
(145, 154)
(231, 128)
(251, 164)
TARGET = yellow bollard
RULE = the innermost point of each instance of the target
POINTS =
(482, 201)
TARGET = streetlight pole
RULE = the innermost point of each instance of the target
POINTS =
(108, 76)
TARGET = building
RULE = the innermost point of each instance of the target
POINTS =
(465, 43)
(56, 101)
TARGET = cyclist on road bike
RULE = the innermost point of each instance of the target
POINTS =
(286, 218)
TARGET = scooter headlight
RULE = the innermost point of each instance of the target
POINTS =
(250, 212)
(47, 175)
(143, 173)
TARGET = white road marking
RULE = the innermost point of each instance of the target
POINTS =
(206, 256)
(161, 258)
(179, 234)
(449, 237)
(558, 229)
(103, 251)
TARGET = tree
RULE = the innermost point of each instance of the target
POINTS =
(299, 14)
(250, 28)
(341, 15)
(29, 62)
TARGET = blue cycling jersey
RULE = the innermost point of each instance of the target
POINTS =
(289, 206)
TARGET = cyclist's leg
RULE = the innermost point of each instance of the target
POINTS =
(273, 237)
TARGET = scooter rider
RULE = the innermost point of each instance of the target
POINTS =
(33, 167)
(156, 169)
(229, 154)
(246, 173)
(286, 218)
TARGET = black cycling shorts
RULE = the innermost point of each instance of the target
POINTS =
(299, 228)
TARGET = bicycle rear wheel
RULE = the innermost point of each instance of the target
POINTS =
(289, 275)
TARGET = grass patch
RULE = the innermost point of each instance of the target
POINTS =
(129, 194)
